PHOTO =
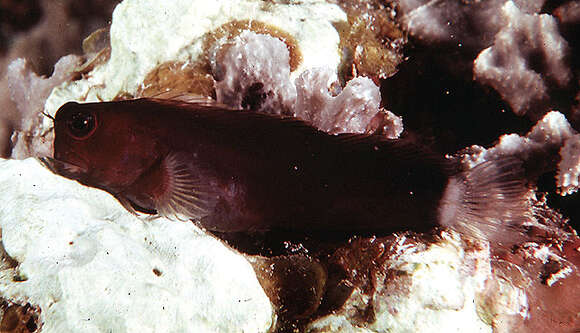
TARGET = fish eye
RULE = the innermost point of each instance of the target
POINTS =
(81, 125)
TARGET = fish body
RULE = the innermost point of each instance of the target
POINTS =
(238, 171)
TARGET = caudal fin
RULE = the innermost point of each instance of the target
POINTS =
(489, 202)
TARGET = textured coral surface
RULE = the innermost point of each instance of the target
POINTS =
(472, 80)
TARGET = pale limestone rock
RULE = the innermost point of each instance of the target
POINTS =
(508, 65)
(92, 266)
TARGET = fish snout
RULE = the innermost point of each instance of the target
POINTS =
(64, 169)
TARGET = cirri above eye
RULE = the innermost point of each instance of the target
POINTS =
(81, 125)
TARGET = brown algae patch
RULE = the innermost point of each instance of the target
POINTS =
(97, 51)
(196, 78)
(234, 28)
(179, 78)
(369, 41)
(16, 318)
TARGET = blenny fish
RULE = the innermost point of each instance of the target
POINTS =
(234, 171)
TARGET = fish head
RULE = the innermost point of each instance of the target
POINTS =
(102, 145)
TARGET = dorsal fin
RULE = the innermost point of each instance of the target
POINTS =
(269, 129)
(402, 151)
(185, 97)
(222, 118)
(187, 101)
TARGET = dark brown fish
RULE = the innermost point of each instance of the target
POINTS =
(238, 171)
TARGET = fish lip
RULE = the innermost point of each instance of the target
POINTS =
(65, 169)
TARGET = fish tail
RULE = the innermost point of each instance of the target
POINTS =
(489, 202)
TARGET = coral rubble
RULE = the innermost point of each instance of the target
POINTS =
(74, 260)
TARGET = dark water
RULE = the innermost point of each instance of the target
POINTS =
(441, 104)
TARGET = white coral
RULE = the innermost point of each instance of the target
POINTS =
(33, 136)
(93, 267)
(568, 177)
(508, 67)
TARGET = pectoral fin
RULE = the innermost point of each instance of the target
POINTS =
(186, 190)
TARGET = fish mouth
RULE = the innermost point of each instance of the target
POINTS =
(65, 169)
